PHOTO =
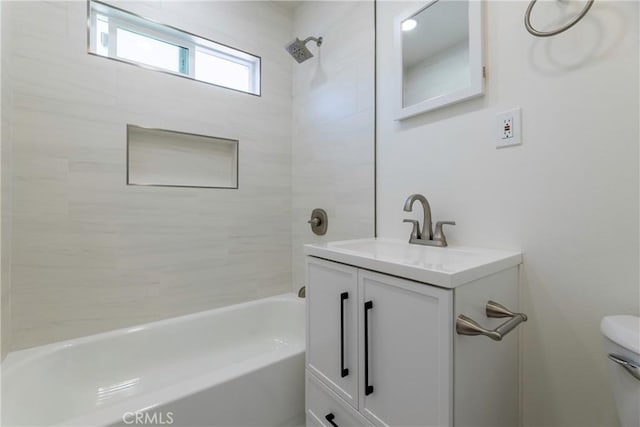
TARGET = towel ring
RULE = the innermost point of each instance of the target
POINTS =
(527, 21)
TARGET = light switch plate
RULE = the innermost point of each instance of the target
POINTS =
(508, 128)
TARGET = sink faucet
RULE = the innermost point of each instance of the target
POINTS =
(425, 236)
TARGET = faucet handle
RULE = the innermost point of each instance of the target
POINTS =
(438, 234)
(414, 232)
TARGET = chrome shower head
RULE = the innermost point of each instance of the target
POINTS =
(298, 49)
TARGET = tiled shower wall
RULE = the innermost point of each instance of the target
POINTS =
(92, 254)
(333, 124)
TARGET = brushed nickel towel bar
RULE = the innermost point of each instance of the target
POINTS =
(468, 326)
(533, 31)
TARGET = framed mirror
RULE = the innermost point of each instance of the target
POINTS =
(439, 55)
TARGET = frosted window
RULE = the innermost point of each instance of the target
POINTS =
(117, 34)
(102, 29)
(221, 71)
(147, 50)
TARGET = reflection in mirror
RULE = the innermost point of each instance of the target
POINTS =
(439, 55)
(435, 51)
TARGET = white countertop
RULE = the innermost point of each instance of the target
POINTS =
(445, 267)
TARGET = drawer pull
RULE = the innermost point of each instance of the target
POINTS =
(343, 371)
(468, 326)
(368, 389)
(330, 417)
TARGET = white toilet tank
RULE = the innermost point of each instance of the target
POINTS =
(622, 343)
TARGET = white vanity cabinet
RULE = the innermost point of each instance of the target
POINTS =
(387, 353)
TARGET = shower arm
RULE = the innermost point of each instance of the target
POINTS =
(318, 40)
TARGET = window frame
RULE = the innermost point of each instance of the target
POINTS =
(149, 28)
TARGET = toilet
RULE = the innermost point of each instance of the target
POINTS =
(622, 346)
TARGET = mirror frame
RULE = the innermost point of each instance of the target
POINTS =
(476, 64)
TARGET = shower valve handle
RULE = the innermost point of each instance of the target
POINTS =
(315, 221)
(319, 221)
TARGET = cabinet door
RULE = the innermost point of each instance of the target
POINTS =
(332, 341)
(406, 366)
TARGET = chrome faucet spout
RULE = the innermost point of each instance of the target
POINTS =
(425, 235)
(425, 232)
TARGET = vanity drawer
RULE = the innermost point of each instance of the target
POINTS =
(323, 403)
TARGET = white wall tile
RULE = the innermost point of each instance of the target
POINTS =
(333, 125)
(92, 254)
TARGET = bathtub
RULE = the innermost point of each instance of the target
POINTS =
(241, 365)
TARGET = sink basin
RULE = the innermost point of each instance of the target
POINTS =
(445, 267)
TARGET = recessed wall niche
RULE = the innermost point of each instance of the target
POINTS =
(160, 157)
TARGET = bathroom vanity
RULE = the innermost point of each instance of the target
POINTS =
(384, 343)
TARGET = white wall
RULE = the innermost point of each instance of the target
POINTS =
(6, 190)
(92, 254)
(333, 124)
(568, 197)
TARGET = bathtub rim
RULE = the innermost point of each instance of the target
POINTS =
(14, 359)
(189, 386)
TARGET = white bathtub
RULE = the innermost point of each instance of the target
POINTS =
(241, 365)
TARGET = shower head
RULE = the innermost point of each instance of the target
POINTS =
(299, 50)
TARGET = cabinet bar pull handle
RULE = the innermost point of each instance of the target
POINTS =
(343, 371)
(368, 389)
(330, 417)
(468, 326)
